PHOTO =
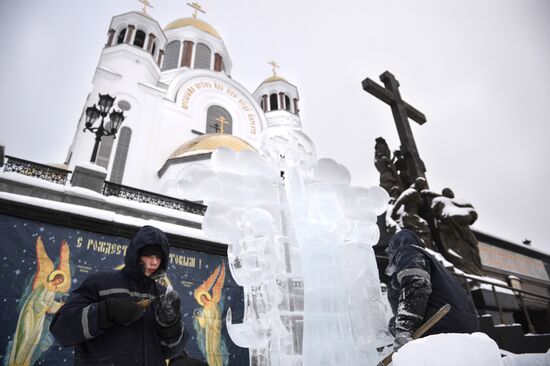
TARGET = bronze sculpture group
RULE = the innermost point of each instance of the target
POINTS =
(440, 220)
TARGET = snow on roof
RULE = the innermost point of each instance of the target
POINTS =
(91, 166)
(188, 216)
(17, 177)
(95, 196)
(106, 215)
(101, 214)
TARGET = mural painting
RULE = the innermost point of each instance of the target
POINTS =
(40, 263)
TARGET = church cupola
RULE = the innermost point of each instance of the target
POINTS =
(138, 30)
(277, 94)
(283, 142)
(194, 44)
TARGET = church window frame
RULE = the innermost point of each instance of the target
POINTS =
(172, 55)
(140, 36)
(105, 149)
(202, 55)
(287, 103)
(121, 155)
(213, 111)
(274, 101)
(121, 35)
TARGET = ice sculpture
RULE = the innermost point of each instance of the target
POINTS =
(244, 209)
(290, 219)
(344, 320)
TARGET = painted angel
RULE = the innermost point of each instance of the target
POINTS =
(208, 319)
(47, 282)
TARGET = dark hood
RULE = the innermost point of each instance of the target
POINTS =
(404, 237)
(147, 235)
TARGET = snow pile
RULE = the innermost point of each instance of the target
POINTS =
(529, 359)
(475, 349)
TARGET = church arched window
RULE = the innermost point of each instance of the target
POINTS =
(287, 103)
(274, 102)
(203, 55)
(171, 55)
(105, 147)
(139, 39)
(121, 35)
(117, 171)
(218, 120)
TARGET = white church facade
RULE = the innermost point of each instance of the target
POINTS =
(180, 103)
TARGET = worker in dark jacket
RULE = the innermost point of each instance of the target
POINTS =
(419, 287)
(103, 320)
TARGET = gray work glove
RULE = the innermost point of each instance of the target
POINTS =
(401, 339)
(168, 310)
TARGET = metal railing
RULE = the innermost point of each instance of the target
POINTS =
(520, 294)
(138, 195)
(36, 170)
(60, 176)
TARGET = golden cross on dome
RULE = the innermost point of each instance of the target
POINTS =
(275, 66)
(197, 7)
(222, 121)
(146, 4)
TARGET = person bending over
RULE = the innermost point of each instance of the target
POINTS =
(419, 286)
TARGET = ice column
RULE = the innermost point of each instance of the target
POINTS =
(242, 194)
(335, 227)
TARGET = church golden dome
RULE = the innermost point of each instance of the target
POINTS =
(274, 78)
(194, 22)
(210, 142)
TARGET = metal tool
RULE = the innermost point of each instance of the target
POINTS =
(145, 303)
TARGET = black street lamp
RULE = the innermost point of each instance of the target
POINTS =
(92, 114)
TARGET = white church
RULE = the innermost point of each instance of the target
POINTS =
(180, 103)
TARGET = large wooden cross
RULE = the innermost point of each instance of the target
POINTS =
(401, 111)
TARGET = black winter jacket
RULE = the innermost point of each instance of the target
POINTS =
(420, 286)
(143, 342)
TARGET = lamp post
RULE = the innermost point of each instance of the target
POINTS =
(93, 113)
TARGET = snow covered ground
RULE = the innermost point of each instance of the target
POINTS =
(475, 349)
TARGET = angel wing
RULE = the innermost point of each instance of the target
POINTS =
(206, 285)
(64, 266)
(217, 290)
(44, 265)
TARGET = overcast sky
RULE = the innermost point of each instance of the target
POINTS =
(478, 69)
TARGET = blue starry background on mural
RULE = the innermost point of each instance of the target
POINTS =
(90, 252)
